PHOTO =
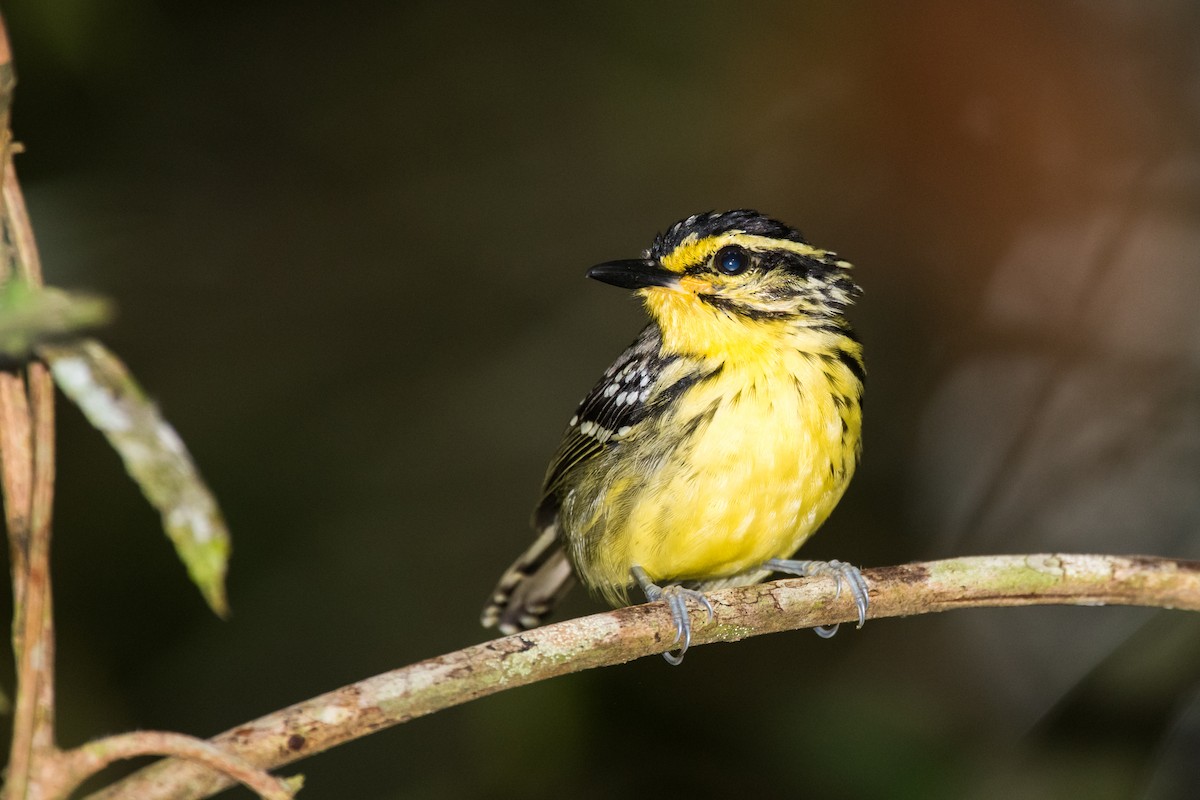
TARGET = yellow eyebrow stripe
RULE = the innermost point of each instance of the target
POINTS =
(692, 251)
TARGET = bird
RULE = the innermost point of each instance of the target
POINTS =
(716, 443)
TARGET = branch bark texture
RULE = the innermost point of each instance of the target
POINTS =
(619, 636)
(27, 481)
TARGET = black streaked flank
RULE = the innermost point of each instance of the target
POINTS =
(701, 419)
(836, 328)
(673, 392)
(852, 363)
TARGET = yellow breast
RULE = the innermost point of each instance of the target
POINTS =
(741, 468)
(768, 462)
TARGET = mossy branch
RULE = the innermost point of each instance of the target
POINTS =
(628, 633)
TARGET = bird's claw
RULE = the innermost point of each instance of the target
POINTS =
(676, 597)
(845, 574)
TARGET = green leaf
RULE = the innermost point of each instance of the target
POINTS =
(154, 455)
(31, 315)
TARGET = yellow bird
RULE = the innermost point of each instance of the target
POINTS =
(717, 443)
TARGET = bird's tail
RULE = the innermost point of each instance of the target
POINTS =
(531, 587)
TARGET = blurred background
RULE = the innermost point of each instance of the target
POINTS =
(348, 245)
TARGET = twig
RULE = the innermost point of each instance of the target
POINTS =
(74, 766)
(27, 474)
(625, 634)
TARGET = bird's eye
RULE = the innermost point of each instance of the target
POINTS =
(732, 260)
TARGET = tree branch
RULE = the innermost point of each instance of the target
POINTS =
(628, 633)
(74, 766)
(27, 475)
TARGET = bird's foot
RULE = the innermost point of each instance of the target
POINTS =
(676, 597)
(843, 573)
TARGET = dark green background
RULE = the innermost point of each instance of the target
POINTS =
(348, 245)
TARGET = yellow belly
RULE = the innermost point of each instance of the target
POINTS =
(765, 468)
(757, 483)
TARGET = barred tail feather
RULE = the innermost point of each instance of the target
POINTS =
(531, 587)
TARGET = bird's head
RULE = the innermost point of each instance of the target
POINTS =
(718, 278)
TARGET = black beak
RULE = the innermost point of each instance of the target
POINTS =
(633, 273)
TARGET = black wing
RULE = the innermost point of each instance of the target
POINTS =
(613, 406)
